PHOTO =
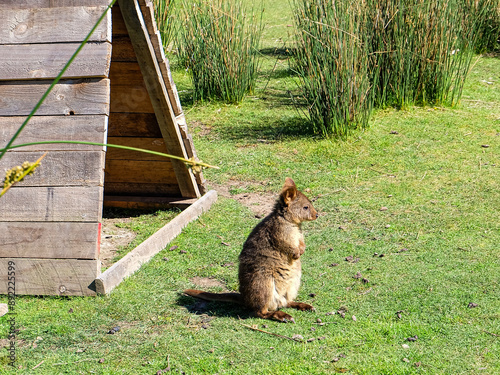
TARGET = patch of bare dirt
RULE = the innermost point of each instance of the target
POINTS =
(204, 129)
(113, 238)
(5, 343)
(206, 282)
(260, 203)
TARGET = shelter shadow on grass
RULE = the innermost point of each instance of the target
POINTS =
(278, 51)
(123, 213)
(278, 72)
(276, 63)
(283, 98)
(213, 309)
(268, 129)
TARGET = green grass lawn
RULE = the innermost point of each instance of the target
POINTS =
(439, 237)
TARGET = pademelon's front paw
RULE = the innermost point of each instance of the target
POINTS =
(283, 317)
(302, 247)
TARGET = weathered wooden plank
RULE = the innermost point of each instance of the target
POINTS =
(131, 262)
(158, 93)
(119, 27)
(53, 128)
(139, 171)
(146, 203)
(153, 144)
(130, 99)
(171, 88)
(49, 240)
(52, 204)
(64, 277)
(128, 89)
(45, 61)
(41, 24)
(60, 168)
(191, 151)
(148, 13)
(170, 189)
(133, 125)
(126, 73)
(122, 49)
(28, 4)
(69, 97)
(147, 9)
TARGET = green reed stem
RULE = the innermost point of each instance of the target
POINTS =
(190, 162)
(55, 81)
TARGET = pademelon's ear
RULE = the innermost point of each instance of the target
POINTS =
(289, 191)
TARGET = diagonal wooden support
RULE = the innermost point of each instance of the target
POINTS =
(158, 94)
(131, 262)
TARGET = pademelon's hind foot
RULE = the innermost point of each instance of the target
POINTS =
(301, 306)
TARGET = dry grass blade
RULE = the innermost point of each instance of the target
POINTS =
(269, 333)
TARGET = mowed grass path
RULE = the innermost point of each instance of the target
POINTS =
(418, 186)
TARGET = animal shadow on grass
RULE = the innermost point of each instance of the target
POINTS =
(213, 309)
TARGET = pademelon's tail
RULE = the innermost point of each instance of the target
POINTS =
(222, 297)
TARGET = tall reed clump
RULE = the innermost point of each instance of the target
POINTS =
(421, 49)
(218, 42)
(488, 12)
(165, 19)
(356, 54)
(332, 62)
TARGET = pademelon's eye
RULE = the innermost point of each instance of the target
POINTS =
(306, 208)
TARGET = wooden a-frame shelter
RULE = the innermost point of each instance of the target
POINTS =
(118, 90)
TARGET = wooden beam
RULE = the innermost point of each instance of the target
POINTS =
(148, 202)
(64, 277)
(131, 262)
(158, 93)
(171, 88)
(53, 240)
(148, 13)
(45, 61)
(69, 97)
(34, 23)
(34, 4)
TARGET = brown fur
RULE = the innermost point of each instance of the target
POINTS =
(270, 269)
